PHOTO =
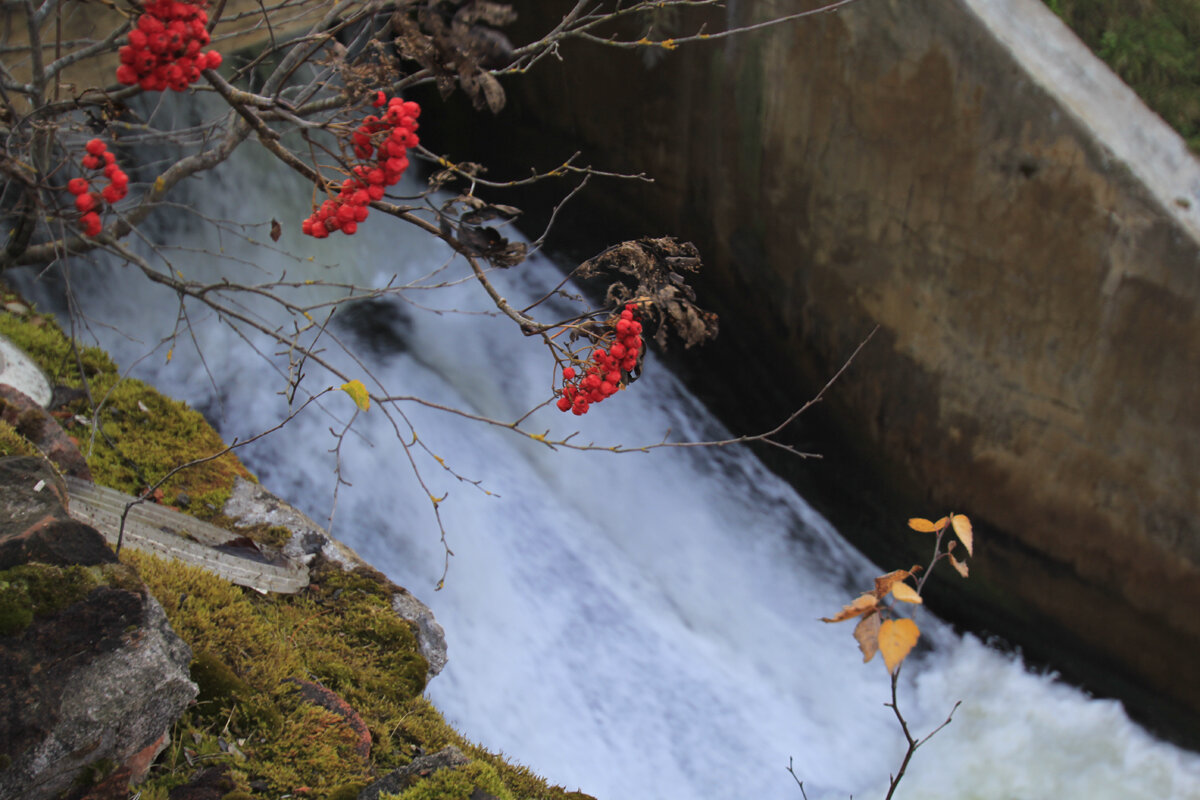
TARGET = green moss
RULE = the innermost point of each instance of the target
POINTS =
(13, 443)
(1154, 45)
(456, 784)
(140, 435)
(347, 791)
(341, 633)
(30, 591)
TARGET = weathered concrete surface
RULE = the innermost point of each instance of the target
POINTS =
(965, 175)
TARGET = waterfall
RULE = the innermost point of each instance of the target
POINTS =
(634, 625)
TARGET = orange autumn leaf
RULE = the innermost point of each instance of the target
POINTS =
(905, 593)
(925, 526)
(897, 637)
(862, 604)
(962, 527)
(866, 632)
(960, 566)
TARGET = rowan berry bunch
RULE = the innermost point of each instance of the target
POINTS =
(98, 157)
(164, 47)
(382, 143)
(603, 374)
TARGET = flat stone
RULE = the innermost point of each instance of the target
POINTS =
(19, 371)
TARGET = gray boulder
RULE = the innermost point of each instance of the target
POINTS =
(90, 670)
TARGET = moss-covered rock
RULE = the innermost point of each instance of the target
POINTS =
(135, 435)
(342, 632)
(30, 591)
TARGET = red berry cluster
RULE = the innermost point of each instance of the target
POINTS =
(382, 142)
(164, 49)
(602, 374)
(98, 157)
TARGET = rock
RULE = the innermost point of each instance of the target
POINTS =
(42, 430)
(250, 504)
(34, 524)
(18, 370)
(420, 767)
(332, 701)
(90, 670)
(431, 637)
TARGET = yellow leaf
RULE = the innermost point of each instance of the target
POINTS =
(170, 352)
(921, 525)
(867, 634)
(861, 605)
(160, 184)
(961, 566)
(962, 526)
(358, 392)
(884, 583)
(897, 637)
(903, 592)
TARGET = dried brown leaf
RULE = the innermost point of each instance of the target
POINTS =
(862, 604)
(884, 583)
(866, 632)
(650, 270)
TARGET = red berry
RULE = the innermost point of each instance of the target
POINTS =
(85, 202)
(91, 223)
(96, 147)
(380, 99)
(568, 373)
(563, 404)
(349, 228)
(77, 186)
(213, 59)
(111, 194)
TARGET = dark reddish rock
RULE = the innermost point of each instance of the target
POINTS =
(34, 524)
(43, 431)
(332, 701)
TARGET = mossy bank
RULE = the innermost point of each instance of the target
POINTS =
(257, 659)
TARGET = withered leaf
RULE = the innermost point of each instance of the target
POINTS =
(960, 566)
(493, 92)
(862, 604)
(897, 637)
(473, 237)
(884, 583)
(649, 270)
(866, 633)
(276, 230)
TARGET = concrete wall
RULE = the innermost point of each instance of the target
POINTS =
(964, 174)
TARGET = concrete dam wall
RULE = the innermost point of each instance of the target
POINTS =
(967, 176)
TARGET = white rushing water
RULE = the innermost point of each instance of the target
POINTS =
(636, 626)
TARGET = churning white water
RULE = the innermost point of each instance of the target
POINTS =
(636, 626)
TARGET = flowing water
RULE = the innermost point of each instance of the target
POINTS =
(636, 626)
